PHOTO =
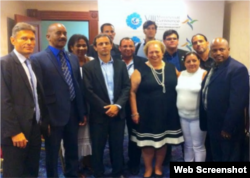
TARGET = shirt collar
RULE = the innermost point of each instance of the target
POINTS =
(110, 62)
(55, 51)
(20, 57)
(167, 54)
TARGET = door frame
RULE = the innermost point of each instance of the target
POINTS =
(90, 16)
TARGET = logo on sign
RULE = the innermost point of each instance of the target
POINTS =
(188, 45)
(189, 21)
(134, 21)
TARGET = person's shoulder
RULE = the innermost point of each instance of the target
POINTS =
(5, 58)
(138, 58)
(235, 64)
(39, 54)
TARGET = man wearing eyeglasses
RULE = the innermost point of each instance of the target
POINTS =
(173, 54)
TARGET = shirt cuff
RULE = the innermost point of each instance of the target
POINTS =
(118, 106)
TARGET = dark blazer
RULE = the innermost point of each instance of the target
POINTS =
(55, 87)
(114, 51)
(96, 90)
(17, 103)
(227, 97)
(181, 53)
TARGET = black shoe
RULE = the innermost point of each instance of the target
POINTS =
(158, 176)
(134, 170)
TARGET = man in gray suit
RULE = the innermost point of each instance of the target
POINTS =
(21, 107)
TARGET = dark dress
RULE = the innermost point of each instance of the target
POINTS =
(159, 122)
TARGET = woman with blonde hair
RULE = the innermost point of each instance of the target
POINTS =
(153, 106)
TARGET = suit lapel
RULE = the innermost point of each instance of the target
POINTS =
(219, 71)
(55, 63)
(99, 75)
(22, 72)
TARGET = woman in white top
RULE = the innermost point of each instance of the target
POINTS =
(188, 101)
(79, 45)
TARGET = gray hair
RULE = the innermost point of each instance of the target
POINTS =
(22, 26)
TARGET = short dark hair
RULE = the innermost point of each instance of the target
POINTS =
(125, 38)
(148, 23)
(170, 32)
(75, 38)
(190, 53)
(200, 35)
(105, 24)
(99, 36)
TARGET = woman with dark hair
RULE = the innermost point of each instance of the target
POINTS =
(79, 45)
(188, 101)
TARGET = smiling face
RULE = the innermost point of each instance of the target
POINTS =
(192, 63)
(80, 48)
(219, 50)
(127, 49)
(57, 36)
(24, 42)
(154, 53)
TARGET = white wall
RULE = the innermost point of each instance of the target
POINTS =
(239, 31)
(209, 17)
(8, 9)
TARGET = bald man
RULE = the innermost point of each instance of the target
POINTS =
(59, 73)
(223, 99)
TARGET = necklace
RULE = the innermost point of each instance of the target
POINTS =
(154, 72)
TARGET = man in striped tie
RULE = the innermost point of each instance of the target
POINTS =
(60, 75)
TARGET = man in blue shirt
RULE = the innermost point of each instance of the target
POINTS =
(107, 85)
(59, 73)
(173, 54)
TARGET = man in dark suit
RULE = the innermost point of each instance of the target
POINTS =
(107, 86)
(173, 54)
(22, 109)
(60, 75)
(108, 29)
(127, 49)
(223, 99)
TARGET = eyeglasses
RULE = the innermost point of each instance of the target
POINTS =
(169, 39)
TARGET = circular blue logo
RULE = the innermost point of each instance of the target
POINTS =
(136, 39)
(134, 21)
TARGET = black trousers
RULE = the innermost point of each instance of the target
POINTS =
(69, 134)
(134, 152)
(23, 162)
(225, 150)
(113, 131)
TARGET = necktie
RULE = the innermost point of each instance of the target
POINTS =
(32, 80)
(67, 75)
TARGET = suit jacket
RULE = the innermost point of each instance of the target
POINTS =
(57, 96)
(114, 51)
(226, 99)
(17, 103)
(181, 53)
(96, 90)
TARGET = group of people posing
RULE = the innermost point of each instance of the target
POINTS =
(85, 96)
